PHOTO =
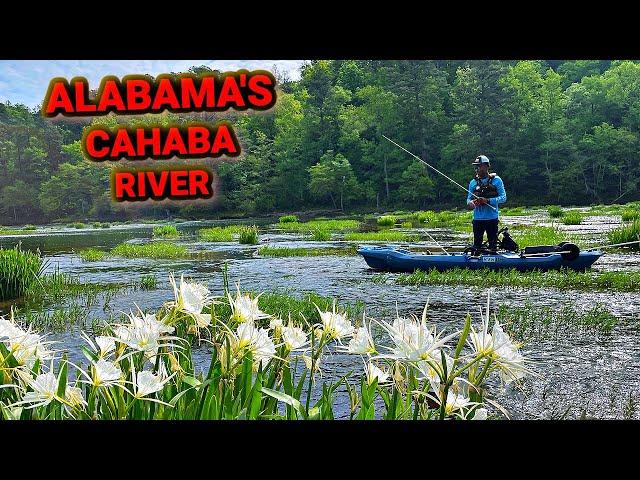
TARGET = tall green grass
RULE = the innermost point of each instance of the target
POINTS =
(530, 235)
(91, 254)
(321, 235)
(630, 215)
(287, 219)
(160, 249)
(166, 231)
(572, 217)
(267, 251)
(329, 225)
(555, 211)
(627, 281)
(18, 271)
(220, 234)
(383, 236)
(386, 221)
(626, 233)
(513, 211)
(249, 235)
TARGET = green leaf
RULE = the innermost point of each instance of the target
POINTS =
(192, 381)
(62, 376)
(463, 337)
(283, 397)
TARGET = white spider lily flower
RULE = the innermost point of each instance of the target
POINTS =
(499, 348)
(244, 308)
(148, 383)
(456, 402)
(294, 338)
(8, 329)
(105, 373)
(433, 369)
(413, 340)
(362, 342)
(480, 414)
(255, 340)
(106, 345)
(74, 398)
(143, 333)
(335, 325)
(374, 373)
(45, 390)
(191, 297)
(26, 347)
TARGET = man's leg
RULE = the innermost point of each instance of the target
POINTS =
(478, 233)
(492, 233)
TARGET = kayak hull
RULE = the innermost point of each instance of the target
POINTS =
(393, 259)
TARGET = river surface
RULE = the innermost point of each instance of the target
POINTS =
(581, 373)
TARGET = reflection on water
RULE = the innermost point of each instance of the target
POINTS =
(595, 373)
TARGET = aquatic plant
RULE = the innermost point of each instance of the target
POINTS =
(513, 211)
(29, 227)
(267, 251)
(142, 367)
(220, 234)
(248, 235)
(321, 235)
(19, 270)
(78, 225)
(166, 231)
(555, 211)
(529, 235)
(91, 254)
(159, 249)
(287, 219)
(572, 217)
(386, 221)
(628, 281)
(381, 236)
(148, 282)
(630, 214)
(312, 225)
(626, 233)
(406, 225)
(538, 322)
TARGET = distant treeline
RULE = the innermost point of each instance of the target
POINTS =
(561, 132)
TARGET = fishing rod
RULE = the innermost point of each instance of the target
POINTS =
(436, 242)
(613, 245)
(435, 169)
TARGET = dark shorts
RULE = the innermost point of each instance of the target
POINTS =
(489, 226)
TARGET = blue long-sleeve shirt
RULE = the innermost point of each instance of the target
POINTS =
(485, 212)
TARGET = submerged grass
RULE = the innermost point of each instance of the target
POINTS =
(267, 251)
(535, 322)
(160, 249)
(19, 270)
(312, 225)
(615, 280)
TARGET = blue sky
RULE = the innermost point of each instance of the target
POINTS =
(26, 81)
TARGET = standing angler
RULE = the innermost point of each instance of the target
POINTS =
(486, 190)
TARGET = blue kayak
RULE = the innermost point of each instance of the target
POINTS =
(398, 260)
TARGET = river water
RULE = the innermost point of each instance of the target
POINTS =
(580, 373)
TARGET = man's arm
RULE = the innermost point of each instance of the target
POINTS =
(469, 194)
(502, 194)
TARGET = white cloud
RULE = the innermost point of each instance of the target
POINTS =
(26, 81)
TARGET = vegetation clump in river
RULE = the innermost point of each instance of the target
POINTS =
(19, 270)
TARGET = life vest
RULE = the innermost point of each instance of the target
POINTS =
(487, 190)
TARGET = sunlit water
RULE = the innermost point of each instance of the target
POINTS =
(584, 372)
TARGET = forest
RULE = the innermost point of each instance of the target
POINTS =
(557, 132)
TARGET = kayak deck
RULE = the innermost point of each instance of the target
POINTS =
(399, 260)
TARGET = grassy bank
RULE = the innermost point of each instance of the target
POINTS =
(570, 279)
